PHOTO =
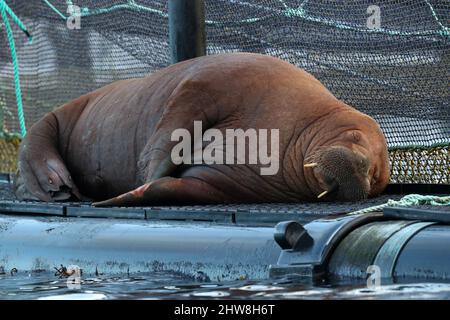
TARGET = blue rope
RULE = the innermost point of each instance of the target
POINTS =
(5, 10)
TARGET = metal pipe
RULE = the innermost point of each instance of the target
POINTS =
(404, 251)
(120, 246)
(186, 29)
(426, 256)
(349, 247)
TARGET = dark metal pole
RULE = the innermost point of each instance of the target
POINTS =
(186, 29)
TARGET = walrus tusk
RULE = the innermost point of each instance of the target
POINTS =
(310, 165)
(322, 194)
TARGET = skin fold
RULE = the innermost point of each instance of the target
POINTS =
(115, 142)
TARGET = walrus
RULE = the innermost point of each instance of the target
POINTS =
(113, 145)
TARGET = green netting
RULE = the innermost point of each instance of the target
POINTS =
(398, 73)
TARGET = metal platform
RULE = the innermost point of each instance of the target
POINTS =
(424, 212)
(216, 242)
(242, 214)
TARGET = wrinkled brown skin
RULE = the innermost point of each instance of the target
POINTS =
(117, 138)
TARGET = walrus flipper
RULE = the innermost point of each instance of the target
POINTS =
(188, 103)
(42, 174)
(169, 190)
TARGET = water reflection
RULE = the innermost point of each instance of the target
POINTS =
(160, 285)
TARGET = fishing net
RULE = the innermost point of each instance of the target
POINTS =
(390, 61)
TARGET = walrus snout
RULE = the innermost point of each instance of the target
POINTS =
(341, 173)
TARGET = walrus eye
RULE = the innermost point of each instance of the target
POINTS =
(356, 136)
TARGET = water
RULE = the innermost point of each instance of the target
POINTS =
(166, 285)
